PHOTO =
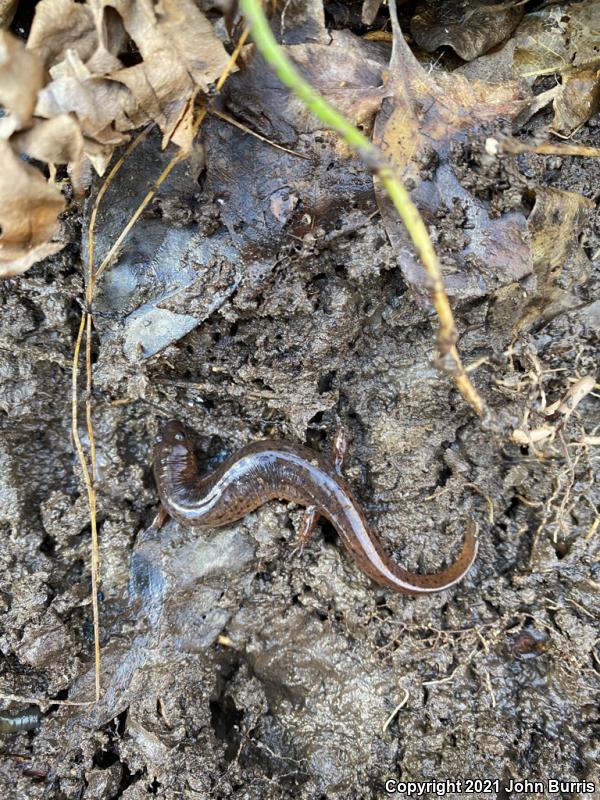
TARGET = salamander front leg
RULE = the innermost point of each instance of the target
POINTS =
(311, 516)
(309, 523)
(159, 520)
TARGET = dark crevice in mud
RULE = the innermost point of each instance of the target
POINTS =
(48, 545)
(443, 476)
(128, 778)
(328, 532)
(105, 758)
(225, 718)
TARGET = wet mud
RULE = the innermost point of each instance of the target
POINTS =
(259, 295)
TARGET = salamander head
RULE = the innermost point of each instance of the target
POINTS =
(174, 459)
(174, 431)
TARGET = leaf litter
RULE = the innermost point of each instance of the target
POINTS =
(71, 98)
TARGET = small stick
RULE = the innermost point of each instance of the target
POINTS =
(232, 121)
(506, 145)
(400, 705)
(86, 326)
(43, 702)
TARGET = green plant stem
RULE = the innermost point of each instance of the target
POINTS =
(397, 192)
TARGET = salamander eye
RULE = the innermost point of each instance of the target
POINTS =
(179, 437)
(158, 439)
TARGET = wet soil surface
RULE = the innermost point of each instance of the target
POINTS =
(259, 296)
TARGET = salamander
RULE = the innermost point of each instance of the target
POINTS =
(271, 469)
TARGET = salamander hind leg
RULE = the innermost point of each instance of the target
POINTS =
(309, 524)
(338, 447)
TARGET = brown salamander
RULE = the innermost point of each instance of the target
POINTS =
(269, 470)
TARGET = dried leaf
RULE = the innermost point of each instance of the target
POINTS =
(21, 76)
(424, 127)
(61, 25)
(55, 141)
(29, 209)
(467, 26)
(181, 56)
(7, 12)
(81, 43)
(104, 109)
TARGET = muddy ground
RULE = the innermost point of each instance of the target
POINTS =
(259, 296)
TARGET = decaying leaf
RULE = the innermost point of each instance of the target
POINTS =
(29, 207)
(424, 126)
(559, 262)
(469, 27)
(577, 100)
(564, 39)
(558, 38)
(346, 70)
(555, 39)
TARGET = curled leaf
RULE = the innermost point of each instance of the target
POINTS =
(181, 56)
(469, 27)
(58, 26)
(104, 109)
(55, 141)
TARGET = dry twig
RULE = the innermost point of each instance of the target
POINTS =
(86, 329)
